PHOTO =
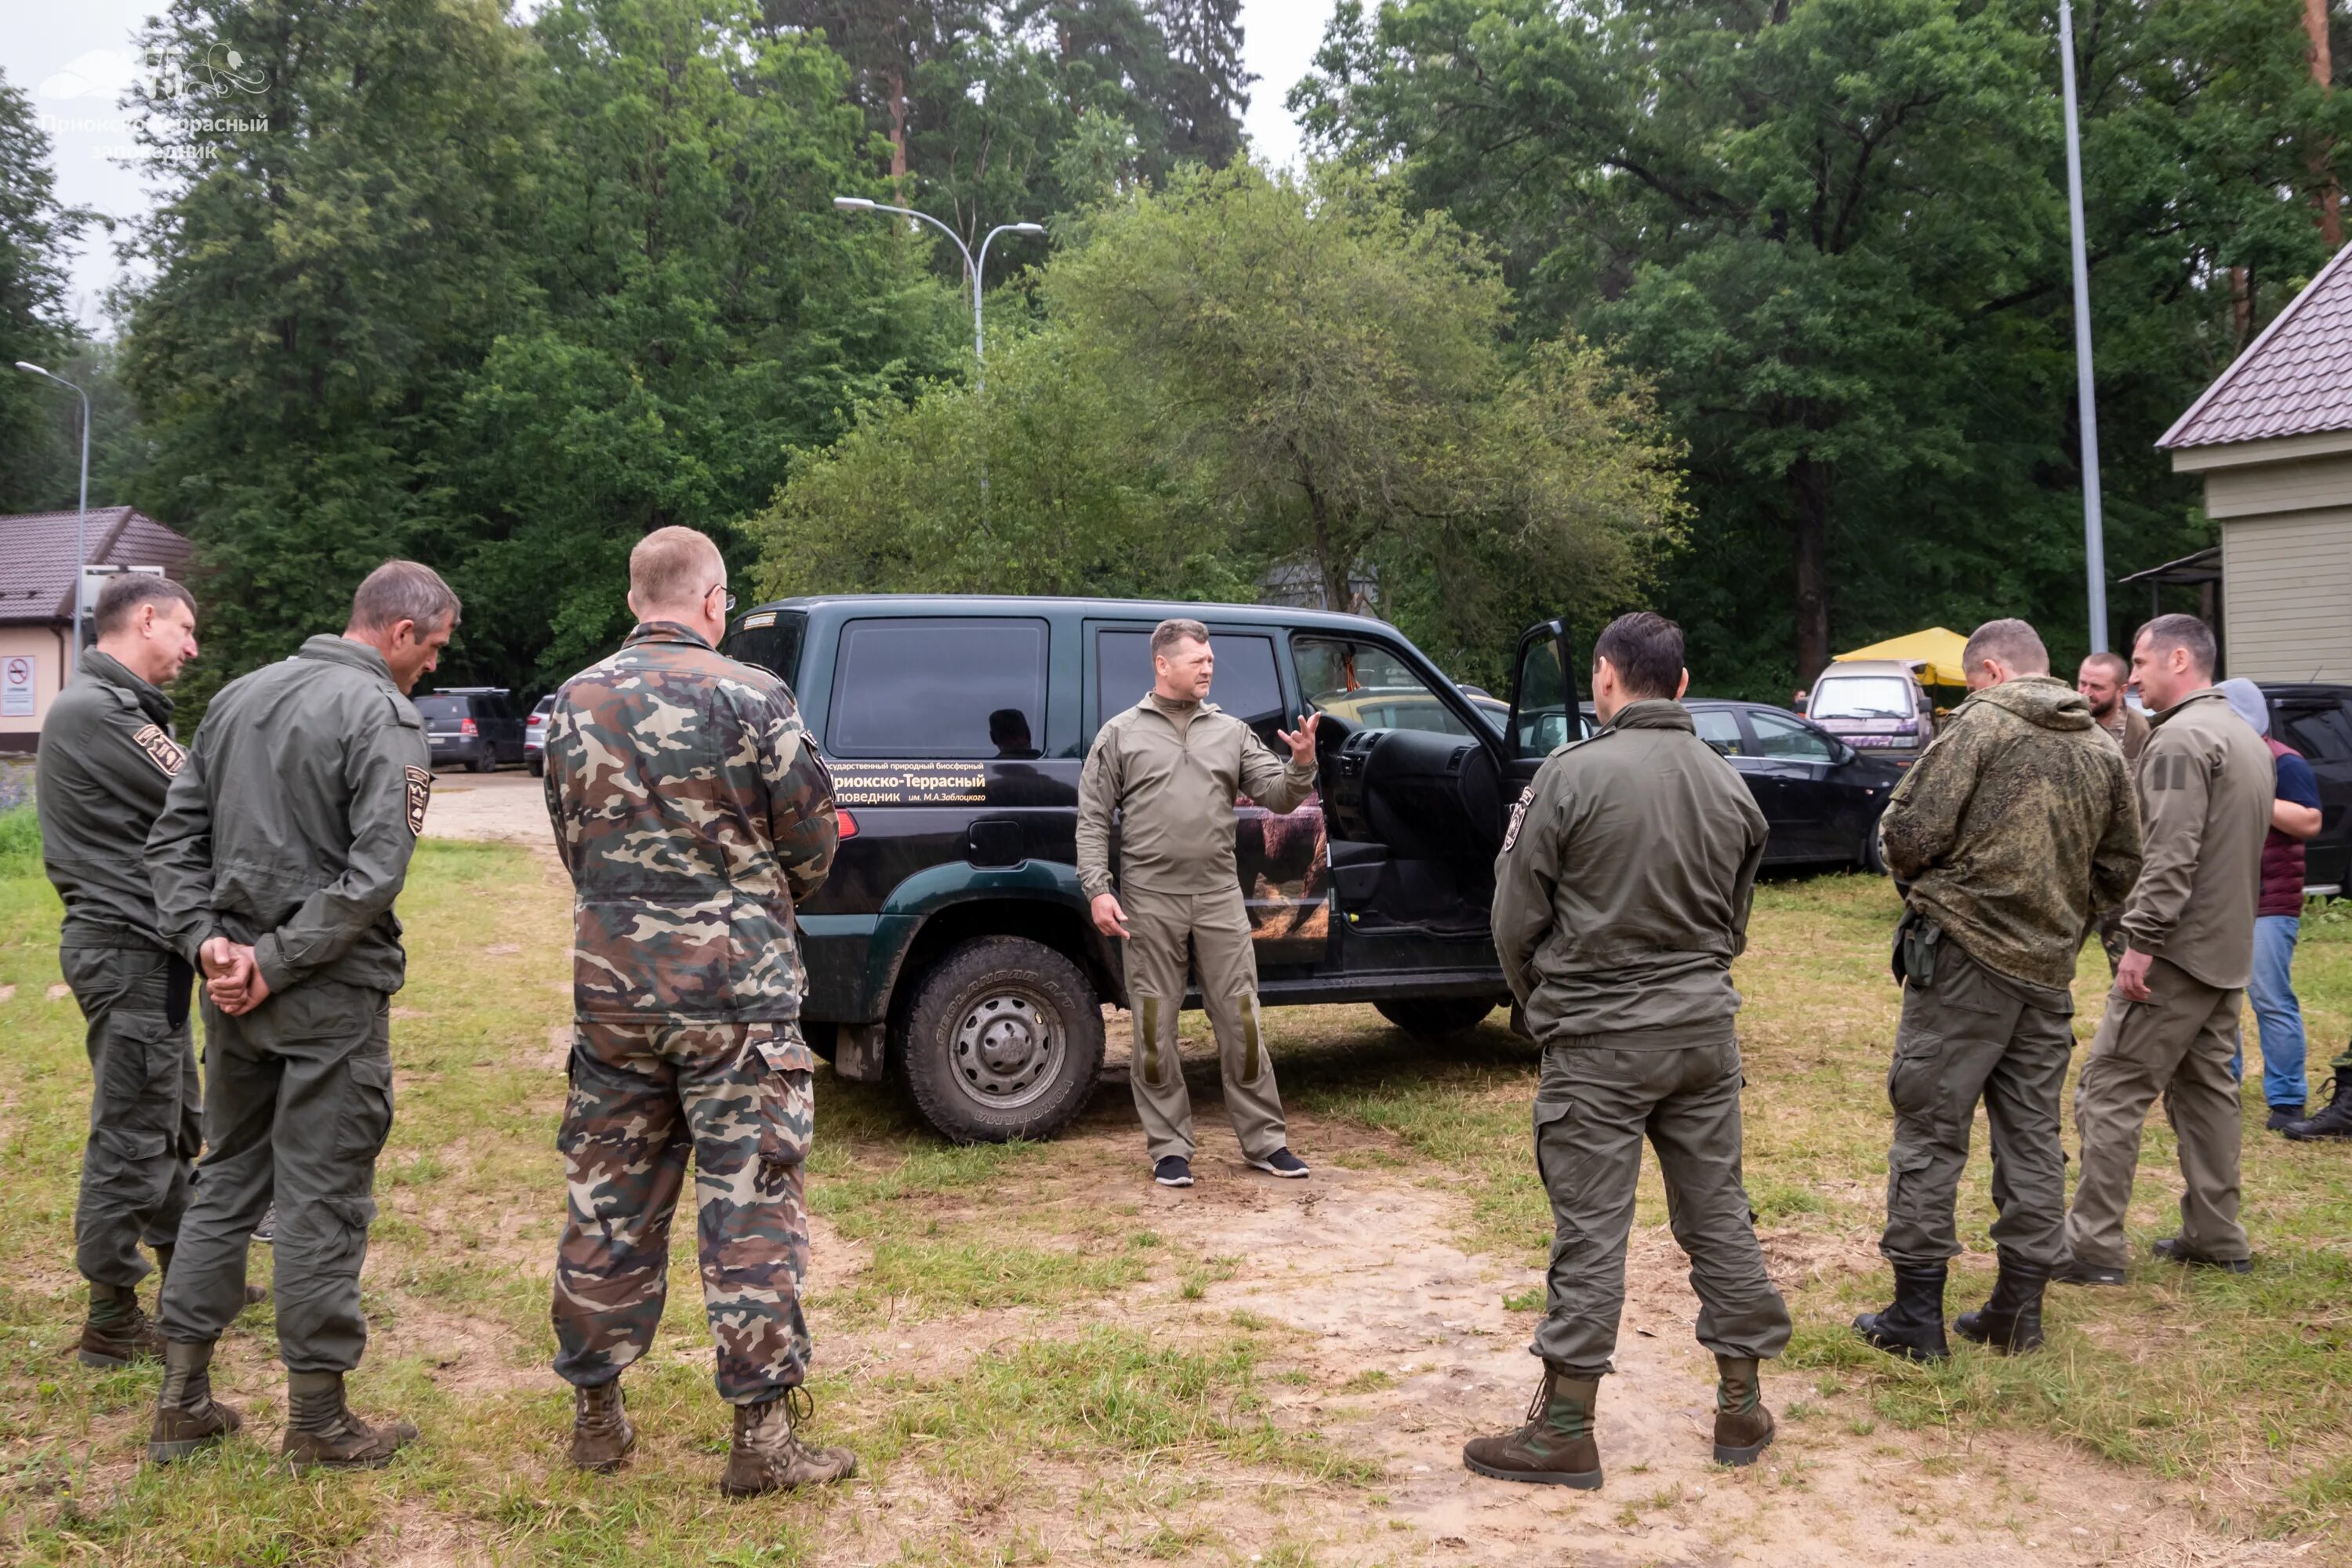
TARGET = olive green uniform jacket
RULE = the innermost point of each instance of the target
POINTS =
(2206, 784)
(1170, 771)
(292, 823)
(2016, 828)
(1623, 887)
(106, 757)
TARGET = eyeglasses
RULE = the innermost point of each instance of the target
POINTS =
(719, 588)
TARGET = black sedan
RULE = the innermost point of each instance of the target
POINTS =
(1821, 796)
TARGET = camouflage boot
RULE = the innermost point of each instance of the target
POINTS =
(601, 1434)
(321, 1430)
(1743, 1428)
(117, 1332)
(187, 1416)
(1555, 1447)
(768, 1458)
(2011, 1321)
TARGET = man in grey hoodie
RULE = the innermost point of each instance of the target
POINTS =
(2015, 830)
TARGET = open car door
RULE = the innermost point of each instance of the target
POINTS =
(1545, 710)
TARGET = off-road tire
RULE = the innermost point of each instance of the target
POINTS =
(483, 765)
(1434, 1018)
(936, 1048)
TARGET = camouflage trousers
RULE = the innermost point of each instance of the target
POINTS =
(737, 1098)
(145, 1110)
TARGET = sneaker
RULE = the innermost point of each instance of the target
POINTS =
(2285, 1115)
(1282, 1162)
(2172, 1249)
(2074, 1271)
(268, 1229)
(1173, 1171)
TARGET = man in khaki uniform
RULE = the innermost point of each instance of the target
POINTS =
(1170, 767)
(2102, 679)
(1621, 899)
(2171, 1028)
(2013, 830)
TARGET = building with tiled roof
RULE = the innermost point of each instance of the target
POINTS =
(36, 600)
(2273, 438)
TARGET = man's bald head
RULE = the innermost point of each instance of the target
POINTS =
(671, 571)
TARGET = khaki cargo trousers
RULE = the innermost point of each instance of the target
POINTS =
(1169, 935)
(2177, 1044)
(1965, 1037)
(298, 1103)
(1594, 1105)
(144, 1104)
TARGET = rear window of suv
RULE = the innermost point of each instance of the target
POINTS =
(938, 687)
(443, 709)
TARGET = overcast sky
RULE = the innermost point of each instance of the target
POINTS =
(75, 59)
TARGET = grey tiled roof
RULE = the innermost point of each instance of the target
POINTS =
(36, 557)
(2293, 380)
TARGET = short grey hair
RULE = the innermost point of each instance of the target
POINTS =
(400, 590)
(2012, 641)
(2168, 632)
(1170, 632)
(674, 567)
(122, 596)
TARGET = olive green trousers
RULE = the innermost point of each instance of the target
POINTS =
(1171, 935)
(144, 1104)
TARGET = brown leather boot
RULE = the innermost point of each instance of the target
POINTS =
(321, 1430)
(187, 1416)
(117, 1332)
(601, 1434)
(1743, 1428)
(1555, 1447)
(768, 1458)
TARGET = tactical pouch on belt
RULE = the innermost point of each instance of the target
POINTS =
(1916, 939)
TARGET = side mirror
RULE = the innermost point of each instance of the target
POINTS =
(1543, 692)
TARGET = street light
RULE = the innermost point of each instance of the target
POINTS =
(82, 520)
(971, 264)
(2095, 548)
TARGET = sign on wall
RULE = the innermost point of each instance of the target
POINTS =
(17, 673)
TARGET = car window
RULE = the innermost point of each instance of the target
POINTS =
(2321, 734)
(1778, 735)
(1719, 728)
(444, 708)
(771, 640)
(1371, 687)
(944, 688)
(1861, 696)
(1244, 683)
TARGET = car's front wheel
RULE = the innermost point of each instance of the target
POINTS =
(1003, 1039)
(1434, 1018)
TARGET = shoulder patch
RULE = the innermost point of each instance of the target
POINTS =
(1518, 817)
(160, 749)
(420, 796)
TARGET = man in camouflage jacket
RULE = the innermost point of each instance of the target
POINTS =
(694, 815)
(2014, 830)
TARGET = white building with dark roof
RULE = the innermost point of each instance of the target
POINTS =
(2274, 440)
(36, 600)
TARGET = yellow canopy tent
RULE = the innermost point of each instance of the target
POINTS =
(1937, 648)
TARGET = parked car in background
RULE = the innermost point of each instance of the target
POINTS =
(2317, 720)
(950, 946)
(1821, 797)
(534, 736)
(473, 725)
(1874, 705)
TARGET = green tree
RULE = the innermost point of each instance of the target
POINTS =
(1835, 231)
(36, 462)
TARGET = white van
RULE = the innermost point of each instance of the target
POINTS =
(1874, 705)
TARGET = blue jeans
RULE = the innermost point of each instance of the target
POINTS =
(2276, 1011)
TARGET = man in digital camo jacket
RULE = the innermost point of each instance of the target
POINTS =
(694, 816)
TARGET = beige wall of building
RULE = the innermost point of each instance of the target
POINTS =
(2285, 511)
(45, 646)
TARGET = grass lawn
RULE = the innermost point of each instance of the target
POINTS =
(1010, 1352)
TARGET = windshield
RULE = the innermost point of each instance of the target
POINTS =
(1861, 696)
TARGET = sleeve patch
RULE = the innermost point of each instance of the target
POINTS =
(420, 796)
(160, 749)
(1518, 817)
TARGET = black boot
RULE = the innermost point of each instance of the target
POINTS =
(2334, 1118)
(2010, 1322)
(1913, 1326)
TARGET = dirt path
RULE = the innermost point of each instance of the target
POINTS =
(505, 807)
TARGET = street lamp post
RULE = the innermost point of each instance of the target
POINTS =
(2095, 548)
(82, 517)
(973, 264)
